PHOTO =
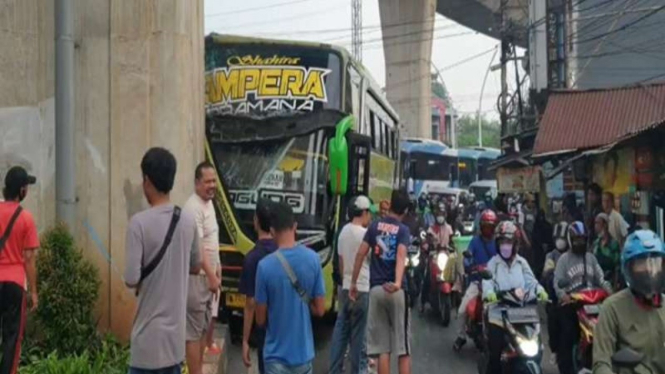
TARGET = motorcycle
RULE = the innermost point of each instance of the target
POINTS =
(444, 276)
(413, 277)
(517, 315)
(474, 310)
(588, 302)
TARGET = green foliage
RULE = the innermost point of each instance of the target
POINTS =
(68, 291)
(467, 132)
(61, 337)
(110, 358)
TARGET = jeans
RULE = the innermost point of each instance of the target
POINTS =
(12, 322)
(350, 328)
(170, 370)
(277, 368)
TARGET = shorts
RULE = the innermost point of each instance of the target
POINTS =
(388, 323)
(170, 370)
(199, 313)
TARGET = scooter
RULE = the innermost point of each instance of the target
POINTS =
(517, 315)
(447, 297)
(474, 310)
(588, 302)
(413, 277)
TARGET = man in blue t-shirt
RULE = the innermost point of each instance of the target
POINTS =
(264, 246)
(482, 248)
(289, 344)
(388, 326)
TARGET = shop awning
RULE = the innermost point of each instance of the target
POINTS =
(515, 159)
(582, 120)
(563, 165)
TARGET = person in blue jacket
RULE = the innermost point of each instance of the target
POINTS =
(482, 248)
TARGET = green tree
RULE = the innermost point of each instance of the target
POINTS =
(467, 131)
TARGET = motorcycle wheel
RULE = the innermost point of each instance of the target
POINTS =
(445, 308)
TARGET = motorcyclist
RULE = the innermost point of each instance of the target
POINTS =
(560, 239)
(510, 271)
(580, 269)
(424, 210)
(634, 318)
(482, 248)
(439, 236)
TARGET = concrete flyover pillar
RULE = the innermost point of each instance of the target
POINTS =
(408, 29)
(138, 83)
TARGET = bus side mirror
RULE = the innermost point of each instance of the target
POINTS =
(338, 157)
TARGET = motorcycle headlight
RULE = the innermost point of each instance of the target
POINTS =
(529, 348)
(441, 260)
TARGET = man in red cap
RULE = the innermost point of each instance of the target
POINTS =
(18, 244)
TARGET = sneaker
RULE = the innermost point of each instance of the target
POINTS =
(459, 343)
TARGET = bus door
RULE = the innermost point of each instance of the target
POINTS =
(359, 157)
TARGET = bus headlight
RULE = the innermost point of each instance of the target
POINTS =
(442, 260)
(529, 347)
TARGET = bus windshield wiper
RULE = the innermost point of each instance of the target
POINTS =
(241, 129)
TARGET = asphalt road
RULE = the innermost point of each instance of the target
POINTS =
(432, 350)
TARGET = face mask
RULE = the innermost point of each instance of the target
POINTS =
(506, 250)
(561, 244)
(440, 220)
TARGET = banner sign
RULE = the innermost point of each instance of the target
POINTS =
(258, 80)
(526, 179)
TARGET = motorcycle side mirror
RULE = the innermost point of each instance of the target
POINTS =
(486, 274)
(467, 254)
(627, 358)
(563, 283)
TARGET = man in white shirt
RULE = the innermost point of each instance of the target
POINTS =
(617, 225)
(202, 305)
(352, 318)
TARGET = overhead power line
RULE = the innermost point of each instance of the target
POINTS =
(626, 26)
(255, 9)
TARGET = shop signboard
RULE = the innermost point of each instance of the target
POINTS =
(526, 179)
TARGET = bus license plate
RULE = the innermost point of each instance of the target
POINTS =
(235, 300)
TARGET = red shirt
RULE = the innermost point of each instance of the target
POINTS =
(23, 236)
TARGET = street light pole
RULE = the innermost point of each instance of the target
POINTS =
(480, 100)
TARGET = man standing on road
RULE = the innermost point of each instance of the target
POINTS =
(352, 317)
(201, 303)
(264, 246)
(617, 226)
(388, 319)
(18, 247)
(289, 289)
(158, 334)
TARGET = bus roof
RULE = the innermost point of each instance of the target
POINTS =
(469, 153)
(489, 153)
(415, 145)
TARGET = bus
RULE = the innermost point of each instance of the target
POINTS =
(468, 166)
(296, 122)
(486, 157)
(427, 163)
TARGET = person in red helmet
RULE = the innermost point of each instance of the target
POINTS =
(482, 248)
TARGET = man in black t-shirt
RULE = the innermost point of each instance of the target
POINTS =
(264, 246)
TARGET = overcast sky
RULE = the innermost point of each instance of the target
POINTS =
(330, 21)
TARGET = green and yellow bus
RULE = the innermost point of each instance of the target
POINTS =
(297, 122)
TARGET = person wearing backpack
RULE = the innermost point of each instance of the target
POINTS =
(18, 246)
(162, 250)
(289, 290)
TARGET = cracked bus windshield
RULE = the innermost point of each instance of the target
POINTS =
(293, 170)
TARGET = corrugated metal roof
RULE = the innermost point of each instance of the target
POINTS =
(587, 119)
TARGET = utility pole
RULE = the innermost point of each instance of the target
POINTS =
(504, 71)
(357, 27)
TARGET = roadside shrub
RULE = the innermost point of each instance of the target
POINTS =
(68, 290)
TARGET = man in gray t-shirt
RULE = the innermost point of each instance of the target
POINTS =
(158, 334)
